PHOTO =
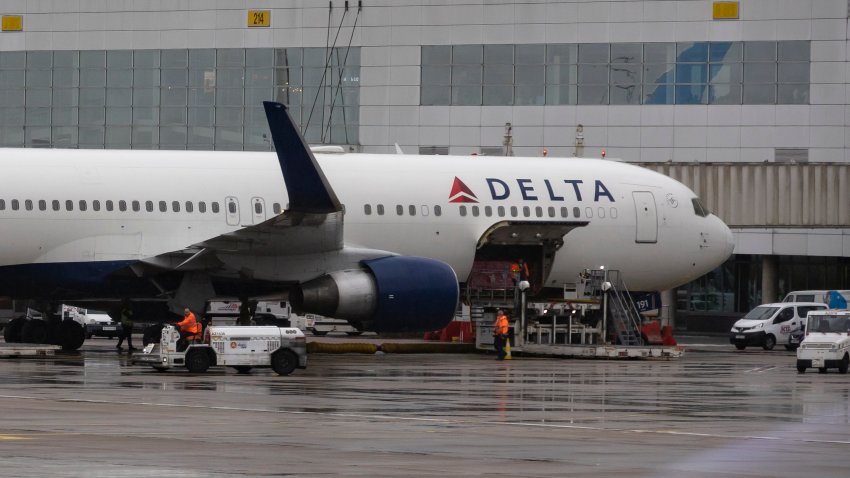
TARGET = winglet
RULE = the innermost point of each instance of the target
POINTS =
(308, 189)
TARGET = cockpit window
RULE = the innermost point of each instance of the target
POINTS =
(699, 208)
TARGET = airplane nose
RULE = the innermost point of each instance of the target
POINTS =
(728, 240)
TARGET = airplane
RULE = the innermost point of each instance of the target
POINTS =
(380, 240)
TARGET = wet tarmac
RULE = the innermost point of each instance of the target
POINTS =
(715, 412)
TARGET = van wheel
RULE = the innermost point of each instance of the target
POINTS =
(197, 361)
(242, 368)
(740, 346)
(284, 362)
(842, 367)
(769, 342)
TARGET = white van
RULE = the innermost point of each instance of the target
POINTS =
(769, 324)
(821, 296)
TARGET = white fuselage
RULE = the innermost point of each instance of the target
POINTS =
(619, 234)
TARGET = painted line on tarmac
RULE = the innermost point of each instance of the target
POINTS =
(761, 369)
(444, 421)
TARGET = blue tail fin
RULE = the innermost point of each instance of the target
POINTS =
(307, 186)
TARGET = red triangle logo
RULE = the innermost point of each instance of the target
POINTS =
(461, 192)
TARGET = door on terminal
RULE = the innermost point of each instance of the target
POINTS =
(646, 230)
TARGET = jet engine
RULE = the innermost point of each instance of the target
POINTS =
(390, 294)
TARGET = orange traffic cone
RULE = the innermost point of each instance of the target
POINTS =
(508, 350)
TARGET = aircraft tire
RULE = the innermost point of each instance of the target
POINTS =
(284, 362)
(12, 331)
(71, 335)
(34, 332)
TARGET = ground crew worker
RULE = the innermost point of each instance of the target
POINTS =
(519, 271)
(500, 334)
(190, 328)
(126, 328)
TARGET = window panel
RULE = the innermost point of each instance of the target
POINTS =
(39, 60)
(173, 135)
(201, 116)
(39, 78)
(288, 57)
(145, 136)
(119, 78)
(92, 135)
(529, 95)
(691, 94)
(118, 136)
(626, 52)
(530, 75)
(145, 115)
(498, 54)
(659, 73)
(759, 94)
(498, 74)
(229, 96)
(202, 58)
(64, 136)
(259, 57)
(793, 73)
(259, 78)
(530, 54)
(39, 97)
(466, 75)
(726, 52)
(173, 116)
(467, 54)
(228, 116)
(228, 136)
(146, 59)
(92, 78)
(12, 78)
(119, 96)
(692, 52)
(561, 74)
(466, 95)
(258, 135)
(794, 50)
(38, 137)
(12, 136)
(760, 73)
(174, 78)
(435, 95)
(287, 77)
(174, 59)
(561, 54)
(724, 94)
(173, 96)
(793, 94)
(593, 94)
(760, 51)
(725, 73)
(119, 59)
(625, 94)
(561, 95)
(65, 116)
(592, 74)
(658, 94)
(145, 96)
(659, 52)
(201, 97)
(625, 73)
(229, 78)
(37, 117)
(66, 78)
(119, 116)
(230, 57)
(92, 116)
(66, 59)
(145, 77)
(201, 135)
(436, 75)
(13, 60)
(11, 116)
(501, 95)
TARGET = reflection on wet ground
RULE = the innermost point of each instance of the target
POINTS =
(717, 411)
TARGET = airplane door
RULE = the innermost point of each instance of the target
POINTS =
(258, 209)
(646, 230)
(231, 205)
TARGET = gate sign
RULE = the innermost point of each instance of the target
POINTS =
(648, 302)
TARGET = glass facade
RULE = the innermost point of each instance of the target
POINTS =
(721, 73)
(175, 99)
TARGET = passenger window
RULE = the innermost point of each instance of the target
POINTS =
(380, 209)
(501, 211)
(69, 205)
(175, 206)
(588, 211)
(215, 207)
(163, 206)
(424, 210)
(189, 206)
(565, 212)
(463, 211)
(538, 211)
(83, 206)
(276, 208)
(412, 210)
(15, 205)
(2, 204)
(475, 211)
(551, 211)
(109, 204)
(613, 213)
(784, 316)
(55, 205)
(42, 205)
(526, 211)
(367, 209)
(231, 207)
(601, 212)
(95, 205)
(122, 205)
(399, 209)
(202, 207)
(488, 211)
(149, 206)
(513, 211)
(28, 204)
(438, 211)
(136, 206)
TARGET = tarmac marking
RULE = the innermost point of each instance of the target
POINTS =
(13, 437)
(760, 369)
(443, 421)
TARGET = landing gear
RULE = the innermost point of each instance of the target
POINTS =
(71, 335)
(12, 331)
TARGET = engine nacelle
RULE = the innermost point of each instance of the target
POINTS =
(390, 294)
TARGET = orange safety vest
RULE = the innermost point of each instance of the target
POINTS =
(501, 325)
(191, 326)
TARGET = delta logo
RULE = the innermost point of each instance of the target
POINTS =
(461, 193)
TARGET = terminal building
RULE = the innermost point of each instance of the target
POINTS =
(744, 101)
